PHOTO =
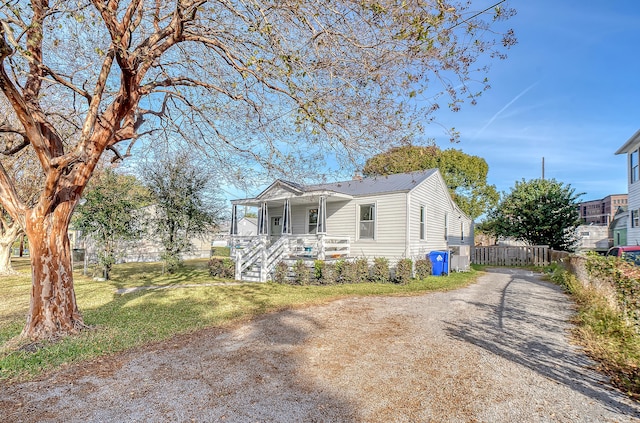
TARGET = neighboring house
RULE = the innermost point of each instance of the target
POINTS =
(632, 149)
(248, 226)
(593, 238)
(601, 212)
(619, 228)
(397, 216)
(146, 249)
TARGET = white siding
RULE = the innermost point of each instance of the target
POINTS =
(633, 234)
(390, 227)
(434, 196)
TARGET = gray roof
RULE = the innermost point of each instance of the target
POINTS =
(400, 182)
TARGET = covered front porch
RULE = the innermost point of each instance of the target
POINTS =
(291, 226)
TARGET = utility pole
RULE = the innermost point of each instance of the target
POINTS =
(543, 168)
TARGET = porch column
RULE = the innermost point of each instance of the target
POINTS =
(322, 226)
(286, 218)
(322, 215)
(263, 220)
(233, 230)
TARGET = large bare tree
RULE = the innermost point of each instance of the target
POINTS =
(276, 83)
(26, 175)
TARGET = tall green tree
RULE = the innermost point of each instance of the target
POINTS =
(539, 212)
(185, 205)
(256, 84)
(111, 214)
(465, 175)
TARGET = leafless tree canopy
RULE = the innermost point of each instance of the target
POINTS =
(274, 81)
(275, 85)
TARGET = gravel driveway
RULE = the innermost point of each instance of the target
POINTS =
(497, 351)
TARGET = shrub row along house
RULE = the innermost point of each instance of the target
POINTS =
(397, 216)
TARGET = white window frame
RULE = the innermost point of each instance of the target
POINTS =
(374, 220)
(423, 223)
(446, 226)
(634, 162)
(308, 220)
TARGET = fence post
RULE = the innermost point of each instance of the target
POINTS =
(238, 265)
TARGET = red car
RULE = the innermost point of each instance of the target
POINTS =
(630, 253)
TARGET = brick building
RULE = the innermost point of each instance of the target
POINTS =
(601, 212)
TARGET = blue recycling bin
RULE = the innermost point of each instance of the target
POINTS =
(439, 262)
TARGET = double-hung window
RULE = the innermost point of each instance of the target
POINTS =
(367, 221)
(633, 166)
(313, 221)
(423, 222)
(446, 226)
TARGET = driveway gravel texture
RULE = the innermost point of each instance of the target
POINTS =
(496, 351)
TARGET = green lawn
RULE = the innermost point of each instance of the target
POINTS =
(119, 322)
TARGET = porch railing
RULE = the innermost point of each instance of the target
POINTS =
(262, 255)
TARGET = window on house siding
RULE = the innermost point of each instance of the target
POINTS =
(367, 221)
(635, 218)
(313, 221)
(446, 226)
(423, 222)
(461, 231)
(633, 165)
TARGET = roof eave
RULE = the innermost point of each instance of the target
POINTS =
(635, 139)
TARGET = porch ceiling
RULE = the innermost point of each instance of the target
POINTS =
(302, 199)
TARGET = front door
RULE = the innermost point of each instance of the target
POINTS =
(276, 226)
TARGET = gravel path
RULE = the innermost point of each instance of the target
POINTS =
(496, 351)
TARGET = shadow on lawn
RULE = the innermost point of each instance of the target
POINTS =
(245, 372)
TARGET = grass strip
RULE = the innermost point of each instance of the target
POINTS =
(604, 334)
(120, 322)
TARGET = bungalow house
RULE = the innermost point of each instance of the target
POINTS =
(397, 216)
(632, 149)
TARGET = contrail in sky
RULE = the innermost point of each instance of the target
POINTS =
(499, 112)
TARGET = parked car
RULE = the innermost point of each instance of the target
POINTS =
(630, 253)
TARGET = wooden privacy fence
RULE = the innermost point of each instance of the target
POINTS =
(533, 255)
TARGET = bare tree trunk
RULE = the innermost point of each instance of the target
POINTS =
(10, 234)
(53, 311)
(5, 258)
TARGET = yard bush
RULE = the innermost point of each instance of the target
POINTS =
(221, 267)
(281, 272)
(301, 273)
(404, 269)
(318, 268)
(380, 270)
(347, 272)
(329, 274)
(361, 270)
(339, 268)
(606, 291)
(423, 268)
(625, 278)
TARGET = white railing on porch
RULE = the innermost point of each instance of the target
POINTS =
(261, 255)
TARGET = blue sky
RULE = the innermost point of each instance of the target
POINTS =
(569, 92)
